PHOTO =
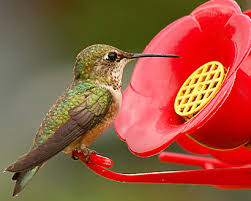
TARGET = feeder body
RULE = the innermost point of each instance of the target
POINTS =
(227, 128)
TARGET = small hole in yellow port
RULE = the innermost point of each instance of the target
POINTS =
(199, 89)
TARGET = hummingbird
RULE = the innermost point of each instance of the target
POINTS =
(87, 108)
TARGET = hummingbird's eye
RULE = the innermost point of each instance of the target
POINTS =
(112, 56)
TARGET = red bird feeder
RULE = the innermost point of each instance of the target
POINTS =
(202, 100)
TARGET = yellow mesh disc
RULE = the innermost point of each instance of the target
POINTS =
(199, 89)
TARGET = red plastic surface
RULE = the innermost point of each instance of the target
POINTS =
(186, 159)
(223, 176)
(216, 31)
(248, 13)
(191, 146)
(95, 159)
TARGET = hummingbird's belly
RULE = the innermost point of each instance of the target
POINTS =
(99, 129)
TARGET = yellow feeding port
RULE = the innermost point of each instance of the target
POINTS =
(199, 89)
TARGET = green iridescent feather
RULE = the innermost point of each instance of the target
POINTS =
(72, 97)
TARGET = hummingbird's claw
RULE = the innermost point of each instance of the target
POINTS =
(73, 155)
(87, 152)
(87, 159)
(89, 155)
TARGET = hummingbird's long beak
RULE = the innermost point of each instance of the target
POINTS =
(136, 55)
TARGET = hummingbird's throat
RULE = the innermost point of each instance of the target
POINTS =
(110, 78)
(112, 75)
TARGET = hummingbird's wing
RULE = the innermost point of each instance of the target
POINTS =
(82, 118)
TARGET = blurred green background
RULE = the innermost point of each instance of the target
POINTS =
(38, 43)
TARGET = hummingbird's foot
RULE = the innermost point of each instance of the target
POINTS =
(73, 155)
(87, 152)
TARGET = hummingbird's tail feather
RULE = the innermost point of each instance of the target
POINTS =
(23, 178)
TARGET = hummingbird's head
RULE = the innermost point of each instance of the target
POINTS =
(104, 64)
